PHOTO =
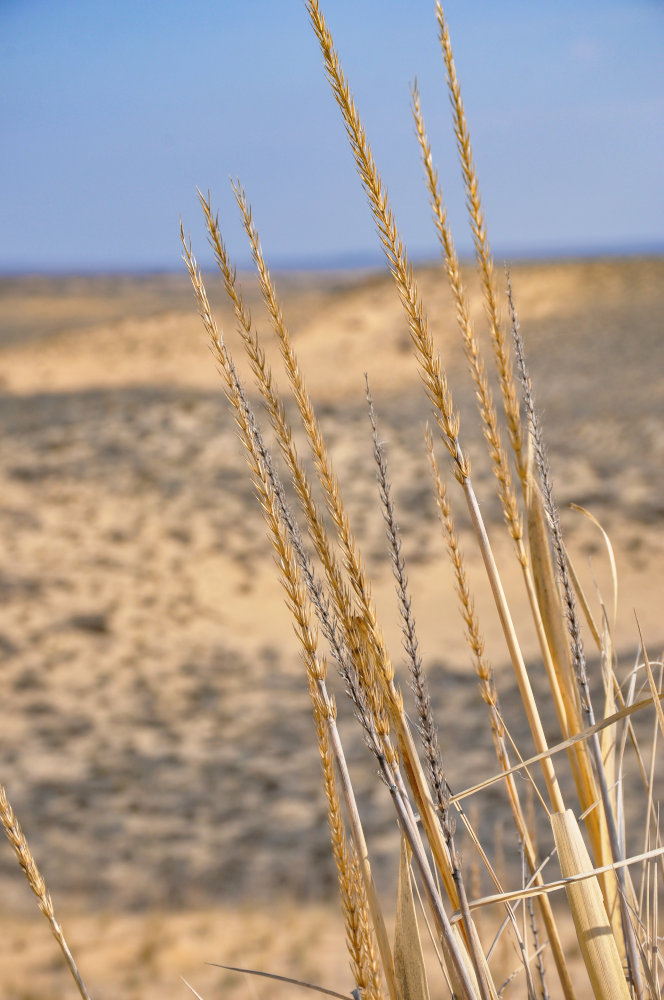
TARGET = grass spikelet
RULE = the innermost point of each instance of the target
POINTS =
(419, 681)
(431, 370)
(362, 630)
(486, 407)
(482, 250)
(35, 880)
(359, 936)
(277, 519)
(433, 375)
(329, 483)
(471, 347)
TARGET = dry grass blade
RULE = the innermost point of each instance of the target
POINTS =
(651, 682)
(612, 560)
(35, 880)
(191, 988)
(553, 618)
(471, 347)
(489, 694)
(548, 597)
(583, 602)
(578, 656)
(408, 959)
(593, 929)
(280, 979)
(622, 713)
(532, 891)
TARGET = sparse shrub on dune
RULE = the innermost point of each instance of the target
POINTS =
(611, 889)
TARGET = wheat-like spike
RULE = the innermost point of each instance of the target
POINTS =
(332, 490)
(329, 481)
(35, 880)
(420, 687)
(433, 375)
(539, 949)
(419, 680)
(276, 412)
(489, 694)
(466, 605)
(431, 369)
(487, 409)
(371, 642)
(576, 643)
(353, 641)
(365, 929)
(483, 252)
(485, 402)
(277, 519)
(359, 937)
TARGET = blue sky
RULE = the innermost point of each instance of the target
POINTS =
(112, 113)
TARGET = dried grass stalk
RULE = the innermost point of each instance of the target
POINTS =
(35, 880)
(347, 617)
(593, 929)
(408, 958)
(431, 370)
(482, 251)
(270, 495)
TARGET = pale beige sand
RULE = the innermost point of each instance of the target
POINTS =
(156, 740)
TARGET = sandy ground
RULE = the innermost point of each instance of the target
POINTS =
(156, 741)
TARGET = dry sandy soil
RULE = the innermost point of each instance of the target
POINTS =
(156, 739)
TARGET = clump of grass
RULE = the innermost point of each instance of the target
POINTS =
(329, 594)
(615, 930)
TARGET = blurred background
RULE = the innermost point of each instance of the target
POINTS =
(112, 114)
(156, 737)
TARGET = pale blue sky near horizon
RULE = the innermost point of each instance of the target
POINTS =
(113, 113)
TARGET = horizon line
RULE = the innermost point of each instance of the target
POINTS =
(344, 262)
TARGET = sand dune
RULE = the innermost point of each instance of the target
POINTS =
(157, 743)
